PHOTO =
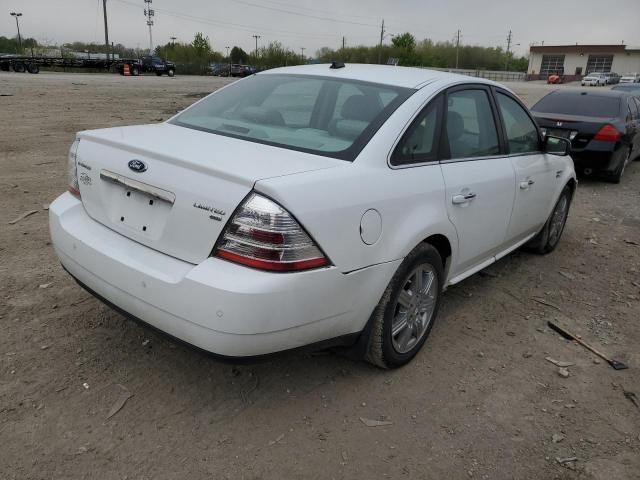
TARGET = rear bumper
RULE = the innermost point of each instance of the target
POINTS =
(602, 162)
(218, 306)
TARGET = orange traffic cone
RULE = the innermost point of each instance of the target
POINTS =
(125, 70)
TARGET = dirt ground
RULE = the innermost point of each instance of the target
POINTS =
(479, 401)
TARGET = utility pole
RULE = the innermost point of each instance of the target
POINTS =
(228, 60)
(506, 66)
(106, 29)
(149, 13)
(343, 42)
(380, 46)
(256, 37)
(302, 49)
(18, 15)
(173, 41)
(457, 46)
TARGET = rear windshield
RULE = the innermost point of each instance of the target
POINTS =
(580, 105)
(325, 116)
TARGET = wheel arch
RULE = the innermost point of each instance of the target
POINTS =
(442, 244)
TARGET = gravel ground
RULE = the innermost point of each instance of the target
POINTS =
(479, 401)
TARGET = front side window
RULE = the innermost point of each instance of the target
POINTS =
(470, 126)
(320, 115)
(419, 144)
(522, 134)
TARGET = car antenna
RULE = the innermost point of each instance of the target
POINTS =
(337, 65)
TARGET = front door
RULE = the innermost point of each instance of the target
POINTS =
(479, 179)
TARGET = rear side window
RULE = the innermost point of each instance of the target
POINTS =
(522, 133)
(470, 126)
(419, 144)
(578, 104)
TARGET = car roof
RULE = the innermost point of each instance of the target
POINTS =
(407, 77)
(586, 93)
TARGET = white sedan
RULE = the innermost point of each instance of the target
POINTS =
(311, 205)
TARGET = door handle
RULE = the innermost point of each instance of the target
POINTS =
(526, 184)
(462, 198)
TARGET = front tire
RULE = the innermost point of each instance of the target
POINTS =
(548, 238)
(405, 315)
(171, 72)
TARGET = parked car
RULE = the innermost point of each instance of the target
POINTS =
(347, 207)
(242, 71)
(612, 78)
(594, 80)
(632, 88)
(219, 69)
(555, 79)
(237, 70)
(630, 78)
(604, 128)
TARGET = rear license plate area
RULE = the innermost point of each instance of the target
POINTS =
(554, 132)
(137, 211)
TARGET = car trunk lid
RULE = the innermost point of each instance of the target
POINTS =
(579, 129)
(173, 188)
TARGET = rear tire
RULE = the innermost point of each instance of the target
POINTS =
(404, 316)
(33, 68)
(617, 176)
(18, 67)
(135, 71)
(548, 238)
(159, 74)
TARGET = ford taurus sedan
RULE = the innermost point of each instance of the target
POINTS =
(311, 205)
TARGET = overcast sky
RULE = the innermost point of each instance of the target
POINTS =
(314, 24)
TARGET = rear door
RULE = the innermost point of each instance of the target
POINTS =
(479, 179)
(535, 172)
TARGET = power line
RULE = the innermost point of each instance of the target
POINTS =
(229, 25)
(317, 11)
(307, 15)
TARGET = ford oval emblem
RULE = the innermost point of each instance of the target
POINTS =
(138, 166)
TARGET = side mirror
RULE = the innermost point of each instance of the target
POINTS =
(557, 146)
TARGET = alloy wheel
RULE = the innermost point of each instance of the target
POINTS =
(414, 308)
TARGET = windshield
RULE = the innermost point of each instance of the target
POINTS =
(579, 105)
(325, 116)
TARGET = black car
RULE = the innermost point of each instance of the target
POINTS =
(632, 88)
(238, 70)
(603, 127)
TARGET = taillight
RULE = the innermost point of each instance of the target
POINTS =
(608, 133)
(264, 235)
(72, 169)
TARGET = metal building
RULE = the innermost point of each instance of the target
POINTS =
(576, 61)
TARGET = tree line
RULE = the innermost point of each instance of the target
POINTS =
(428, 53)
(195, 57)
